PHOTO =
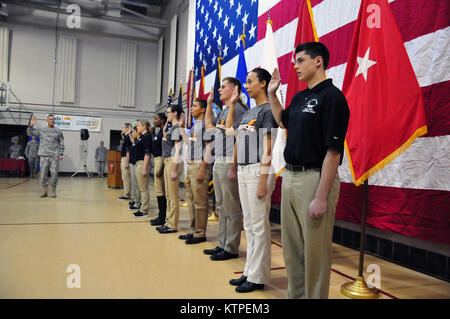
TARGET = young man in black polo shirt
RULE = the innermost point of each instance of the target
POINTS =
(316, 122)
(159, 121)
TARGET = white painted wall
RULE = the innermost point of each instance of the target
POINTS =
(98, 62)
(181, 9)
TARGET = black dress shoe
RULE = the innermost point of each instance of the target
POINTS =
(131, 203)
(195, 240)
(239, 281)
(213, 251)
(124, 197)
(187, 236)
(249, 287)
(167, 230)
(161, 227)
(223, 255)
(157, 222)
(140, 214)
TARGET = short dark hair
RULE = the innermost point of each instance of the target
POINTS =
(127, 124)
(203, 103)
(263, 75)
(162, 116)
(235, 82)
(176, 108)
(315, 49)
(50, 115)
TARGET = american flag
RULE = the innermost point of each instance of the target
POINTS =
(410, 194)
(218, 27)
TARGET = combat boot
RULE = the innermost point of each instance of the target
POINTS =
(52, 192)
(44, 191)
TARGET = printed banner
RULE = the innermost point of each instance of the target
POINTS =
(76, 123)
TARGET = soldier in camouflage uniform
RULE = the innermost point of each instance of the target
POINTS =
(15, 150)
(100, 158)
(31, 152)
(51, 150)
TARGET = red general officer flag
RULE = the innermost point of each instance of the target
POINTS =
(201, 89)
(384, 97)
(306, 32)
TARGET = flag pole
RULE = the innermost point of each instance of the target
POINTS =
(183, 202)
(358, 289)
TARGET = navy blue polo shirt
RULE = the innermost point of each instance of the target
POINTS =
(157, 144)
(132, 159)
(125, 146)
(143, 146)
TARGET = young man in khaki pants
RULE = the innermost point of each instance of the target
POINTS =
(171, 152)
(316, 123)
(143, 151)
(159, 121)
(226, 190)
(198, 173)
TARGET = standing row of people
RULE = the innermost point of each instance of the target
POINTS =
(236, 148)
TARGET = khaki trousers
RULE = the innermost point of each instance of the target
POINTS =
(171, 188)
(197, 198)
(256, 223)
(228, 209)
(135, 191)
(142, 182)
(306, 241)
(125, 177)
(159, 181)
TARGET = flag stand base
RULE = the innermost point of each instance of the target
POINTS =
(183, 203)
(359, 290)
(213, 217)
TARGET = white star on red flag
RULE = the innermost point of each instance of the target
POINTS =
(364, 64)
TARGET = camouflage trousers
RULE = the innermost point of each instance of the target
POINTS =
(32, 164)
(49, 163)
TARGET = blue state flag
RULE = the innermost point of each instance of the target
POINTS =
(241, 75)
(169, 98)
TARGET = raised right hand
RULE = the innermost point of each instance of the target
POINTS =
(235, 95)
(275, 82)
(33, 120)
(211, 96)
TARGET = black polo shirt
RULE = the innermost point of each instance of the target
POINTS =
(132, 154)
(143, 146)
(125, 145)
(316, 120)
(157, 144)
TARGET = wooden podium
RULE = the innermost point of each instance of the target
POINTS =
(114, 173)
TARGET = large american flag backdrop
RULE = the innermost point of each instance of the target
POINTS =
(411, 195)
